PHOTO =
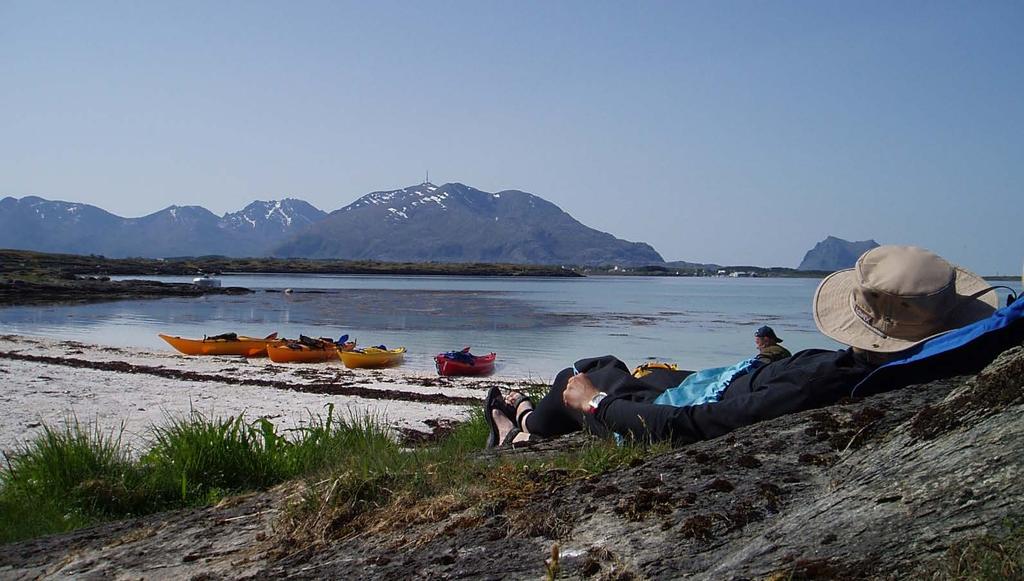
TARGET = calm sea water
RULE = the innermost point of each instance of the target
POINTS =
(537, 325)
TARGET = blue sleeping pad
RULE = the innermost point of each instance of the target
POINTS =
(962, 351)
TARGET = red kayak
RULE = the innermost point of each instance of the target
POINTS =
(463, 363)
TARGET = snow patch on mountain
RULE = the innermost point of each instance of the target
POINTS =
(277, 216)
(278, 209)
(408, 198)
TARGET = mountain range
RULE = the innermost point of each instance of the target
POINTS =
(449, 223)
(32, 223)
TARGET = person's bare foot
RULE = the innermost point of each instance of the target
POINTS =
(506, 427)
(520, 405)
(506, 413)
(503, 424)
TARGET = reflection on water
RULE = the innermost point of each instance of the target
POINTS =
(411, 309)
(537, 326)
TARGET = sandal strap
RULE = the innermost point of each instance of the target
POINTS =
(493, 396)
(510, 438)
(510, 410)
(502, 406)
(519, 418)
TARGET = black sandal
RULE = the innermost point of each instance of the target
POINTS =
(510, 411)
(492, 402)
(509, 441)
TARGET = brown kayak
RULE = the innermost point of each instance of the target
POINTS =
(286, 351)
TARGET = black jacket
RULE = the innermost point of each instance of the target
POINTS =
(809, 379)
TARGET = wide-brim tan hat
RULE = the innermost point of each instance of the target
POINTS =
(898, 296)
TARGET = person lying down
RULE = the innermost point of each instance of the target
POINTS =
(895, 298)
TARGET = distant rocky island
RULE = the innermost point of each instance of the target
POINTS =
(832, 254)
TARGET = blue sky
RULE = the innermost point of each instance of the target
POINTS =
(729, 132)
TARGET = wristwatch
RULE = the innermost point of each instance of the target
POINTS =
(595, 401)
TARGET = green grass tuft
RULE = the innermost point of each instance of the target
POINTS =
(88, 470)
(70, 477)
(195, 459)
(63, 478)
(467, 437)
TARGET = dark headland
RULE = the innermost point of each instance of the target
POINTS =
(28, 277)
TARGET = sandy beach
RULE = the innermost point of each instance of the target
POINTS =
(47, 381)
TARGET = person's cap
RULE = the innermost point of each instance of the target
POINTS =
(767, 331)
(897, 296)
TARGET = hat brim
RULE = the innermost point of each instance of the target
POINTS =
(835, 318)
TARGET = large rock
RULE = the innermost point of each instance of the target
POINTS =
(833, 254)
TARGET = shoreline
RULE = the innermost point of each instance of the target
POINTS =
(15, 263)
(127, 390)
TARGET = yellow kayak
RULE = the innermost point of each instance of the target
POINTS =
(372, 357)
(228, 344)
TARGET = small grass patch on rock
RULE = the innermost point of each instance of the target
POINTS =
(996, 556)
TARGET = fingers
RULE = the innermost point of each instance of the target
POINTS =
(567, 393)
(578, 392)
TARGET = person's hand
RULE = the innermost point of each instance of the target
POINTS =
(578, 393)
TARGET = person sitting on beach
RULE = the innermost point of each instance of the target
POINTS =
(768, 348)
(895, 298)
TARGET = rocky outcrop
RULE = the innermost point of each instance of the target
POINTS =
(875, 488)
(833, 254)
(81, 290)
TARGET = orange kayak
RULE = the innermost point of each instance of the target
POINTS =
(295, 352)
(227, 344)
